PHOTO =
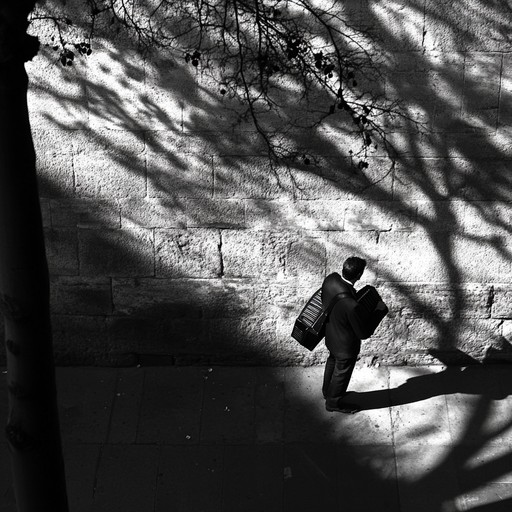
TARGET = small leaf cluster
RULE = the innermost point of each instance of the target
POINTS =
(295, 45)
(324, 64)
(193, 58)
(83, 48)
(67, 57)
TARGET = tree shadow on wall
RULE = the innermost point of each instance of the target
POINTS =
(157, 170)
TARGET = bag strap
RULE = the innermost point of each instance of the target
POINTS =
(334, 300)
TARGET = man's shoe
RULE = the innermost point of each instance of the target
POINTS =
(345, 408)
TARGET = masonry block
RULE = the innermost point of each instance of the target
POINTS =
(379, 216)
(80, 339)
(441, 257)
(81, 296)
(206, 109)
(341, 245)
(62, 251)
(424, 179)
(483, 259)
(188, 253)
(471, 336)
(306, 258)
(79, 212)
(53, 140)
(166, 84)
(410, 257)
(390, 339)
(255, 253)
(283, 299)
(502, 302)
(445, 27)
(486, 181)
(482, 90)
(340, 178)
(183, 298)
(57, 95)
(115, 96)
(250, 177)
(403, 22)
(489, 26)
(507, 331)
(145, 336)
(486, 219)
(213, 213)
(179, 174)
(262, 214)
(415, 88)
(100, 175)
(505, 108)
(116, 252)
(446, 216)
(442, 300)
(46, 215)
(153, 213)
(247, 338)
(179, 145)
(120, 145)
(54, 174)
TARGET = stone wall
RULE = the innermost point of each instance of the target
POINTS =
(172, 240)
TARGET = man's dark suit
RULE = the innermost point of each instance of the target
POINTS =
(346, 326)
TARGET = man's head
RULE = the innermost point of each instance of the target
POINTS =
(353, 268)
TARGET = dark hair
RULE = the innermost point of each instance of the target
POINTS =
(353, 268)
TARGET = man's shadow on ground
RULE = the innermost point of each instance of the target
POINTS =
(471, 379)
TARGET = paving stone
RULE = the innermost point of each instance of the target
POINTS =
(369, 389)
(311, 478)
(267, 443)
(189, 478)
(367, 478)
(490, 498)
(253, 478)
(85, 398)
(228, 406)
(126, 478)
(269, 406)
(479, 464)
(126, 405)
(479, 408)
(171, 406)
(306, 419)
(81, 461)
(336, 477)
(420, 415)
(4, 401)
(427, 478)
(7, 499)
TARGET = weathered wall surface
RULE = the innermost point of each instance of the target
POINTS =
(170, 236)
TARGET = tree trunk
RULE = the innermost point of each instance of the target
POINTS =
(33, 428)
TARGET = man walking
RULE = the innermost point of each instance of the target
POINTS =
(346, 326)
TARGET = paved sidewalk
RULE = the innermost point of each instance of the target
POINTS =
(173, 439)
